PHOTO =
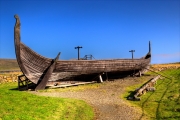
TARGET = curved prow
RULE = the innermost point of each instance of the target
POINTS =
(17, 42)
(32, 65)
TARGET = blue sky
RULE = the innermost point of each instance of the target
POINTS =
(107, 29)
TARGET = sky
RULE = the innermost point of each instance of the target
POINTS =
(106, 29)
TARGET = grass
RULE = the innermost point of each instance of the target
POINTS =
(19, 105)
(164, 103)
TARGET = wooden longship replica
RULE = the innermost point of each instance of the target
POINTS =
(40, 70)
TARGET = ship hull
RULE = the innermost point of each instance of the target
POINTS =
(40, 70)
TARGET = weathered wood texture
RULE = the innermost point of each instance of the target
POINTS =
(68, 85)
(34, 66)
(146, 87)
(48, 72)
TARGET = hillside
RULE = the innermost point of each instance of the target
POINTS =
(8, 65)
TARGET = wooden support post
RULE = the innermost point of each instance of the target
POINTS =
(139, 73)
(106, 77)
(100, 78)
(18, 82)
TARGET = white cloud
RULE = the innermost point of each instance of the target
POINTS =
(173, 55)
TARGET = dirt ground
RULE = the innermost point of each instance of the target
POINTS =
(106, 99)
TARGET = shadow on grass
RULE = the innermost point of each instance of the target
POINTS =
(168, 84)
(31, 87)
(143, 104)
(159, 103)
(170, 118)
(16, 89)
(173, 116)
(131, 95)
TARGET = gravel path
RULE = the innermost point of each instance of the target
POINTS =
(105, 99)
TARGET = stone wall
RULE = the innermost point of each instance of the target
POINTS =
(158, 68)
(9, 77)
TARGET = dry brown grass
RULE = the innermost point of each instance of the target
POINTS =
(162, 67)
(8, 65)
(166, 65)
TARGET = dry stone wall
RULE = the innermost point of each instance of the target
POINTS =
(158, 68)
(9, 77)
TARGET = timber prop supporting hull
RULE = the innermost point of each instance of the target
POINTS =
(40, 70)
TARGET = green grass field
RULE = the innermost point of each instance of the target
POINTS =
(19, 105)
(164, 102)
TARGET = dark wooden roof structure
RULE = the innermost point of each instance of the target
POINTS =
(40, 70)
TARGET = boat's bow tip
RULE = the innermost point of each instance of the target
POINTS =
(16, 16)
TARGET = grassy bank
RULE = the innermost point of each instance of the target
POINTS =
(18, 105)
(164, 103)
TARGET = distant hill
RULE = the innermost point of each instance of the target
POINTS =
(8, 65)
